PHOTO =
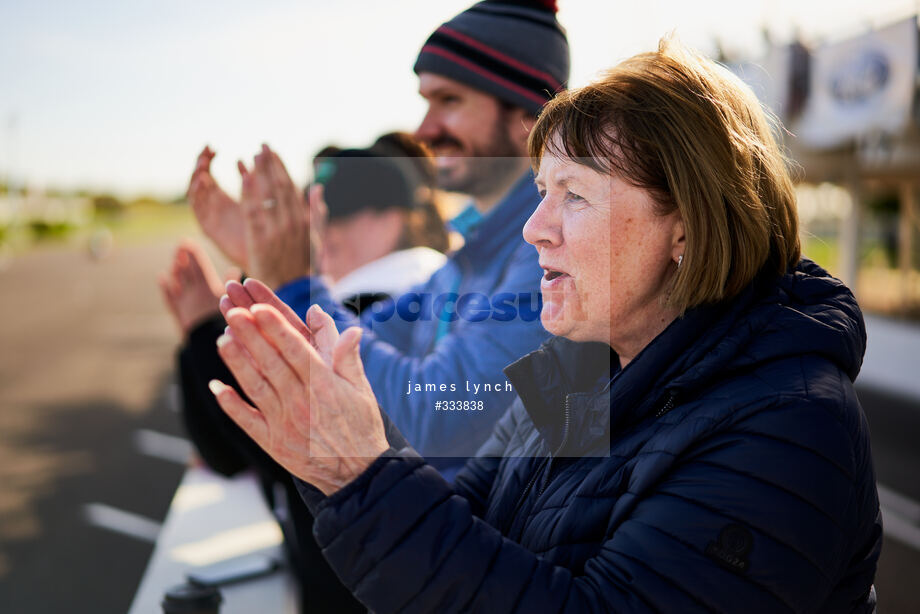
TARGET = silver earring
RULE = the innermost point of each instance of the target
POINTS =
(680, 260)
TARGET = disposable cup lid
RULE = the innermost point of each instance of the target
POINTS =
(191, 598)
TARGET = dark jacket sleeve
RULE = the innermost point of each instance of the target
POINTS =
(313, 496)
(403, 541)
(197, 366)
(223, 445)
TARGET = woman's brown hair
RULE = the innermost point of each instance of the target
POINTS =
(693, 135)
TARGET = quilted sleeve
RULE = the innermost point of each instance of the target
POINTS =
(745, 521)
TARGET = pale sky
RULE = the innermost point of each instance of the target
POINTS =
(121, 95)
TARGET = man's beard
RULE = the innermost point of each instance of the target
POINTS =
(487, 169)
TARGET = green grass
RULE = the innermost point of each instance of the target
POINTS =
(141, 223)
(43, 231)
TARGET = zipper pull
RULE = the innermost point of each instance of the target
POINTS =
(668, 405)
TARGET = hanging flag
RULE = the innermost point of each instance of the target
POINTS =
(863, 85)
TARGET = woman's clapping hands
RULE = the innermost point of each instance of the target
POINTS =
(315, 412)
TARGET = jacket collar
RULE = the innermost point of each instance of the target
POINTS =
(805, 312)
(605, 399)
(564, 372)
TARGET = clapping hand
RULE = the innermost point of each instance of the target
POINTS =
(278, 241)
(315, 412)
(220, 217)
(191, 287)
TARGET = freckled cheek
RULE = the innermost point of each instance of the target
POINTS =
(623, 235)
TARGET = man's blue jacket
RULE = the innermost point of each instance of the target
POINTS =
(727, 468)
(419, 338)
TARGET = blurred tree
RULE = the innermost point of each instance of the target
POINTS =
(43, 230)
(107, 206)
(145, 201)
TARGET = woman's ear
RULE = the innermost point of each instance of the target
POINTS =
(678, 238)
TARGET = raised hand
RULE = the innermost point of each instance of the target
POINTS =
(315, 412)
(220, 217)
(191, 288)
(277, 222)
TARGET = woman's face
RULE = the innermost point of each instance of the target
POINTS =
(607, 257)
(351, 242)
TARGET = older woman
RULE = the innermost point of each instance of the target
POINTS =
(690, 439)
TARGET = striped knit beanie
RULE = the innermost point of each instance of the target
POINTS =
(514, 50)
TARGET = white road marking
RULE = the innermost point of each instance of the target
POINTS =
(905, 507)
(896, 527)
(900, 517)
(127, 523)
(163, 446)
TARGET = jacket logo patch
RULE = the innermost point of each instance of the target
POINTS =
(731, 550)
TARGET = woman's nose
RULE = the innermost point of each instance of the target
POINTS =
(542, 228)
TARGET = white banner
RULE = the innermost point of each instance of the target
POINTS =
(861, 86)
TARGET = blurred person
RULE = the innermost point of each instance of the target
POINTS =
(381, 229)
(485, 75)
(688, 441)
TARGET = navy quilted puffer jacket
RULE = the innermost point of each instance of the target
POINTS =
(726, 469)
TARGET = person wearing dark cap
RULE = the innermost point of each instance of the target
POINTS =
(383, 233)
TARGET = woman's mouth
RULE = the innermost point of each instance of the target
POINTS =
(552, 277)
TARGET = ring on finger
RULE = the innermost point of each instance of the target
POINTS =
(269, 203)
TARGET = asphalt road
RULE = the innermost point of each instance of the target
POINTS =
(86, 374)
(86, 361)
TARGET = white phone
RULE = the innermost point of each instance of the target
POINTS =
(233, 570)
